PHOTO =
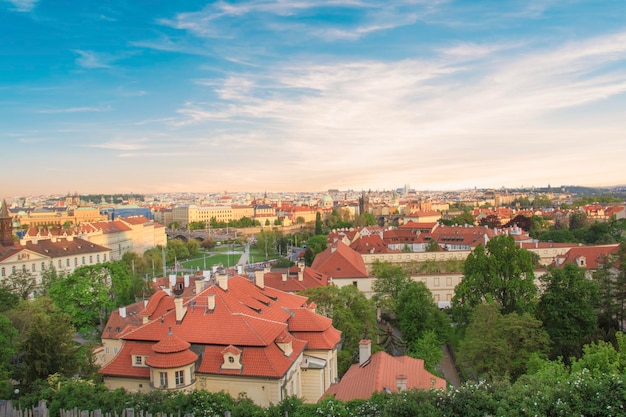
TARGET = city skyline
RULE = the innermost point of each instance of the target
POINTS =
(131, 96)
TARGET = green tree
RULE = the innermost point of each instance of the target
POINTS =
(428, 348)
(46, 345)
(498, 346)
(318, 223)
(176, 249)
(352, 313)
(22, 283)
(8, 298)
(577, 220)
(87, 295)
(501, 272)
(418, 313)
(390, 281)
(567, 309)
(193, 247)
(49, 277)
(433, 246)
(317, 243)
(8, 349)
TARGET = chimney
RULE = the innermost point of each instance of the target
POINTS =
(123, 312)
(172, 280)
(300, 275)
(211, 302)
(199, 285)
(284, 276)
(365, 351)
(259, 279)
(301, 266)
(186, 280)
(222, 280)
(180, 310)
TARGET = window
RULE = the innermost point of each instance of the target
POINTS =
(436, 282)
(83, 260)
(115, 350)
(163, 379)
(75, 261)
(138, 360)
(355, 283)
(104, 258)
(43, 266)
(90, 259)
(98, 258)
(33, 267)
(106, 350)
(180, 378)
(67, 262)
(13, 269)
(231, 359)
(59, 262)
(4, 272)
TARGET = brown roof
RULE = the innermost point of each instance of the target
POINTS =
(593, 255)
(65, 247)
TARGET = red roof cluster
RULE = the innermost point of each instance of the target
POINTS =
(246, 319)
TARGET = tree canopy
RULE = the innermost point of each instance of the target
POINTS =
(500, 272)
(567, 309)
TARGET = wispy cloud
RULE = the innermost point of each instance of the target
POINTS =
(122, 145)
(75, 110)
(91, 59)
(23, 5)
(467, 98)
(223, 20)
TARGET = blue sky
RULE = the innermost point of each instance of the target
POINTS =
(147, 96)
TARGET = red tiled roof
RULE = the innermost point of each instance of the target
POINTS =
(381, 372)
(245, 318)
(122, 363)
(593, 255)
(339, 261)
(370, 244)
(258, 362)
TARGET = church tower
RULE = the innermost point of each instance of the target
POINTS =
(6, 226)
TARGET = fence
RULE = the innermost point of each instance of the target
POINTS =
(9, 409)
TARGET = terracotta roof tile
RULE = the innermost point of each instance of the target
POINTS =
(382, 372)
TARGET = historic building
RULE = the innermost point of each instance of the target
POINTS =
(64, 253)
(223, 333)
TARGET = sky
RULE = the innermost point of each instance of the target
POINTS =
(103, 96)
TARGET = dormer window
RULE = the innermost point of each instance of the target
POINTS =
(232, 358)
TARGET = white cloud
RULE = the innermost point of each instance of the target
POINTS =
(90, 59)
(75, 110)
(23, 5)
(122, 145)
(468, 105)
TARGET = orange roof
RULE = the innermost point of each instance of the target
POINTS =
(246, 319)
(381, 372)
(135, 220)
(593, 255)
(310, 279)
(339, 261)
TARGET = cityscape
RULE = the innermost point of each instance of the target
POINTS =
(280, 208)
